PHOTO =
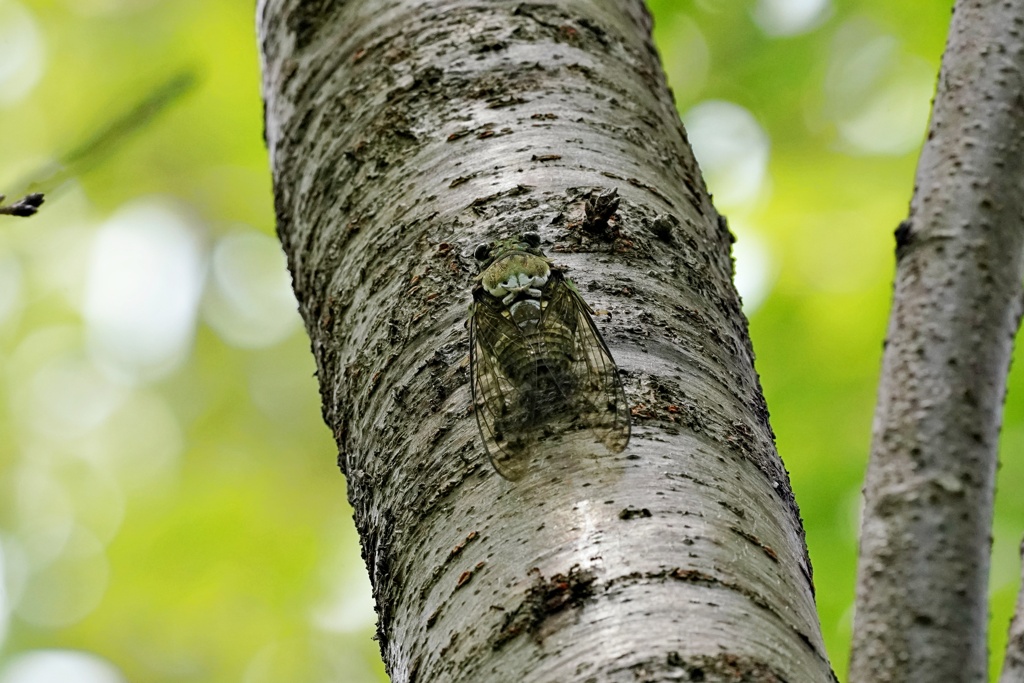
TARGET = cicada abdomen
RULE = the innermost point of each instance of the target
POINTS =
(539, 365)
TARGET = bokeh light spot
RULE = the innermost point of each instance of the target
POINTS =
(249, 301)
(64, 591)
(685, 54)
(732, 149)
(22, 54)
(754, 267)
(347, 605)
(44, 517)
(15, 568)
(145, 277)
(10, 287)
(791, 17)
(5, 594)
(60, 666)
(140, 445)
(878, 95)
(893, 121)
(69, 396)
(102, 7)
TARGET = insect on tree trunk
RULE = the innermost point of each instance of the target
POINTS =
(402, 135)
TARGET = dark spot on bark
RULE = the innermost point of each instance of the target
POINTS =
(719, 667)
(636, 182)
(754, 540)
(428, 78)
(543, 600)
(663, 225)
(904, 236)
(501, 101)
(723, 227)
(306, 17)
(462, 180)
(633, 513)
(732, 508)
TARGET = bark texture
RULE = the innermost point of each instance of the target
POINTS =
(402, 134)
(1013, 663)
(924, 557)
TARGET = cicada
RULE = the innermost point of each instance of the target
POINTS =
(540, 367)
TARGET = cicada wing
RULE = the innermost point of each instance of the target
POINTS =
(502, 410)
(597, 388)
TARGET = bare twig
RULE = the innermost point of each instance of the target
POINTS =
(107, 139)
(26, 206)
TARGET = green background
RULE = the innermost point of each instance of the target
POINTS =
(170, 507)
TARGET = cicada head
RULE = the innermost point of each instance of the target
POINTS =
(513, 267)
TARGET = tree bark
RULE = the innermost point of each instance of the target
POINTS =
(402, 134)
(925, 541)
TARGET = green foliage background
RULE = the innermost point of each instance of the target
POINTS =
(181, 517)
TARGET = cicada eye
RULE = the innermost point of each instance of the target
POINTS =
(532, 239)
(483, 251)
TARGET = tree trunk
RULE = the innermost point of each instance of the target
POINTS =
(925, 542)
(402, 134)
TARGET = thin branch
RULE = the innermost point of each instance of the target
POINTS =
(107, 139)
(26, 206)
(922, 580)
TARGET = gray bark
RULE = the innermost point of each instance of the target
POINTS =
(402, 134)
(924, 557)
(1013, 662)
